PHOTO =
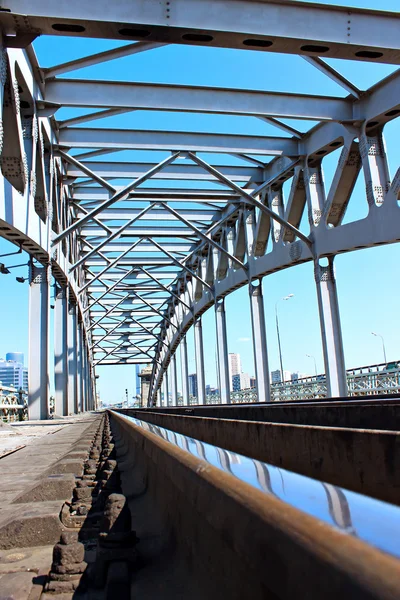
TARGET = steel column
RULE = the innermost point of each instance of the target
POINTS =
(84, 367)
(331, 331)
(222, 349)
(199, 354)
(174, 385)
(61, 351)
(165, 386)
(39, 299)
(79, 383)
(72, 360)
(259, 342)
(185, 372)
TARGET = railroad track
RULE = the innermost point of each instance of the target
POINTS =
(123, 507)
(217, 524)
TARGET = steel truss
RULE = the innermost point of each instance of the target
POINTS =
(137, 266)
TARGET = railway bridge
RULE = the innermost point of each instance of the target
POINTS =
(141, 230)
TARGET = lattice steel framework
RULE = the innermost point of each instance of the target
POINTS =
(136, 266)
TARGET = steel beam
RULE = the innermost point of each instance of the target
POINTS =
(100, 57)
(259, 342)
(72, 359)
(79, 370)
(199, 356)
(61, 351)
(326, 69)
(174, 383)
(179, 98)
(86, 170)
(184, 371)
(39, 315)
(222, 349)
(125, 170)
(331, 331)
(125, 139)
(165, 389)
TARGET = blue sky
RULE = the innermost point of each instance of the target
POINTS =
(367, 280)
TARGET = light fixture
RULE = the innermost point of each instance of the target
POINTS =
(21, 279)
(3, 269)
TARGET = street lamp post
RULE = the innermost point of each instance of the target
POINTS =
(383, 344)
(277, 332)
(315, 363)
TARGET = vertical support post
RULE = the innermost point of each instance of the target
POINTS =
(90, 385)
(259, 342)
(87, 376)
(375, 166)
(79, 371)
(84, 373)
(72, 359)
(315, 193)
(199, 354)
(165, 388)
(185, 372)
(174, 385)
(222, 350)
(61, 351)
(39, 300)
(331, 331)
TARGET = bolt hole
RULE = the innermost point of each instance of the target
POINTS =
(314, 48)
(134, 33)
(197, 37)
(68, 27)
(368, 54)
(257, 43)
(392, 113)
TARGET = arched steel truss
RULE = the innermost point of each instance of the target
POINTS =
(136, 266)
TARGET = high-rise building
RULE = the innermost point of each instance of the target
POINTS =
(17, 357)
(13, 373)
(137, 381)
(287, 376)
(235, 367)
(244, 381)
(193, 384)
(276, 376)
(236, 382)
(253, 382)
(145, 377)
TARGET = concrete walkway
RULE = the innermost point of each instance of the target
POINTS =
(14, 436)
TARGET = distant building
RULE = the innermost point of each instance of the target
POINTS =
(17, 357)
(235, 367)
(13, 373)
(193, 384)
(276, 376)
(137, 381)
(145, 376)
(287, 376)
(236, 383)
(244, 381)
(253, 382)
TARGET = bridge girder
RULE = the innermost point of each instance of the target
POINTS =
(143, 263)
